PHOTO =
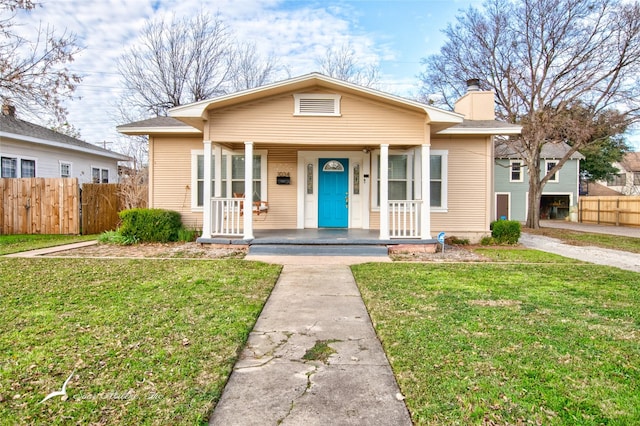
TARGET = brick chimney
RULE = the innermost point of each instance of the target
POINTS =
(8, 110)
(476, 104)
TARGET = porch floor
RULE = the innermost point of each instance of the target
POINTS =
(321, 236)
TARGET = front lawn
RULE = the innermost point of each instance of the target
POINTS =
(146, 341)
(17, 243)
(510, 344)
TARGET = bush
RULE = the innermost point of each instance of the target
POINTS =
(488, 241)
(150, 225)
(115, 237)
(506, 231)
(187, 235)
(455, 241)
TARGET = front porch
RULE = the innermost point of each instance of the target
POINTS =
(323, 236)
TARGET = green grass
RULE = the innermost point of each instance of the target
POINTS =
(519, 255)
(510, 344)
(148, 341)
(615, 242)
(17, 243)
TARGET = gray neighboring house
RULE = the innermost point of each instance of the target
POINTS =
(28, 150)
(511, 182)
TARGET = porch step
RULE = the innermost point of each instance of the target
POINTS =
(318, 250)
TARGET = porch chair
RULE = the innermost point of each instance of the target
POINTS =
(257, 206)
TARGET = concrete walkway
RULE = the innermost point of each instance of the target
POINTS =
(272, 384)
(52, 250)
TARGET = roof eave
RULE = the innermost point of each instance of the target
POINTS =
(87, 150)
(496, 131)
(195, 113)
(139, 131)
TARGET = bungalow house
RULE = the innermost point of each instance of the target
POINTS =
(28, 150)
(316, 152)
(512, 182)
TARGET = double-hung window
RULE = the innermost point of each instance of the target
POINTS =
(402, 172)
(400, 180)
(515, 171)
(99, 175)
(65, 169)
(438, 180)
(232, 172)
(550, 165)
(9, 167)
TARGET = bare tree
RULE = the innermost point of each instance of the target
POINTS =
(556, 67)
(33, 73)
(177, 62)
(250, 69)
(343, 63)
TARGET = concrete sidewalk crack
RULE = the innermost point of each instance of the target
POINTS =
(302, 395)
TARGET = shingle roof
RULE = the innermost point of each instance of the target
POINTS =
(631, 162)
(157, 122)
(15, 126)
(549, 150)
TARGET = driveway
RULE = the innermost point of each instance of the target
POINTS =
(600, 256)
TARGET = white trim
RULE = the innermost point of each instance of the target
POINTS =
(297, 97)
(522, 166)
(493, 131)
(556, 179)
(101, 169)
(206, 189)
(425, 192)
(384, 191)
(68, 163)
(158, 129)
(19, 158)
(248, 190)
(198, 109)
(444, 207)
(70, 147)
(495, 204)
(308, 203)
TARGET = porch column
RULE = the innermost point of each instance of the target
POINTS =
(384, 191)
(206, 196)
(248, 191)
(217, 169)
(425, 210)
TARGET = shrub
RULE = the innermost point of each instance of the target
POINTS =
(150, 225)
(115, 237)
(456, 241)
(488, 241)
(506, 231)
(187, 235)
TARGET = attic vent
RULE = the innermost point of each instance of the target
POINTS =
(317, 104)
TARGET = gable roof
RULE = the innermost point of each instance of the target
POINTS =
(14, 128)
(550, 150)
(631, 162)
(157, 125)
(195, 113)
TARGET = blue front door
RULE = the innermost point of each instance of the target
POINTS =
(333, 193)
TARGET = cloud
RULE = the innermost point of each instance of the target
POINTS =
(295, 32)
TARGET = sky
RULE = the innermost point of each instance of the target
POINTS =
(393, 34)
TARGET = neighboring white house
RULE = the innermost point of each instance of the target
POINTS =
(627, 180)
(28, 150)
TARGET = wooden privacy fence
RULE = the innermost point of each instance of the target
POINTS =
(100, 206)
(39, 206)
(612, 210)
(58, 206)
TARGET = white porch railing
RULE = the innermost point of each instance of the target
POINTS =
(226, 216)
(404, 219)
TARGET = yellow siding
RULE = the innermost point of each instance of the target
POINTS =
(362, 122)
(468, 186)
(171, 176)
